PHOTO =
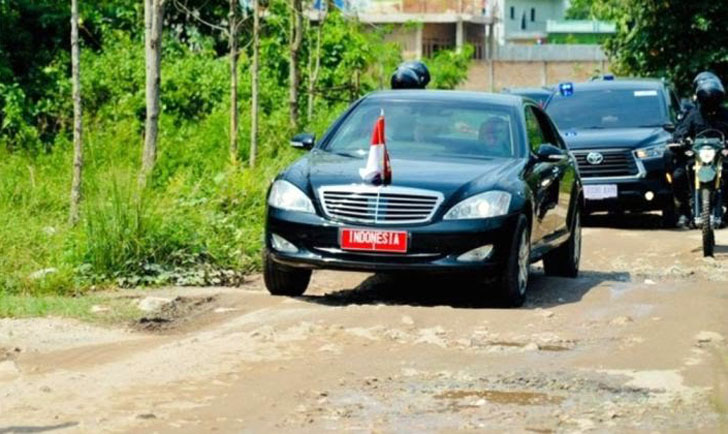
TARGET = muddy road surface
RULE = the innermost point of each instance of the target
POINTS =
(636, 344)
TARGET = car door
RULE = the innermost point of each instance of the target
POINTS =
(541, 179)
(565, 177)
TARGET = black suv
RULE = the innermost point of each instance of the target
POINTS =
(618, 131)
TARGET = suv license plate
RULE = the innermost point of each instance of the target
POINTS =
(600, 192)
(372, 240)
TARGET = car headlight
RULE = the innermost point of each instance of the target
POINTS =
(483, 205)
(286, 196)
(706, 154)
(656, 151)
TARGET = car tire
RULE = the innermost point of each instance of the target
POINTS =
(514, 282)
(669, 216)
(708, 234)
(282, 280)
(564, 260)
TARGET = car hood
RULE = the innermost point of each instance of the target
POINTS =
(448, 176)
(631, 138)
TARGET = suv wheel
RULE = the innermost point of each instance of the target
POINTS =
(564, 260)
(669, 216)
(513, 283)
(283, 280)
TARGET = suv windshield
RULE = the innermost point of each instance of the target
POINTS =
(425, 129)
(608, 108)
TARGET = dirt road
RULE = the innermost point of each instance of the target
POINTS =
(637, 344)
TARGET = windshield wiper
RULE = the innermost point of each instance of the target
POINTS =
(593, 127)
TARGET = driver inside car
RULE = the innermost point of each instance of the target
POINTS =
(495, 133)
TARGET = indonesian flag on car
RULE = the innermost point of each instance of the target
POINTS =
(378, 169)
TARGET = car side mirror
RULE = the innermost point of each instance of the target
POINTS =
(549, 152)
(670, 128)
(303, 141)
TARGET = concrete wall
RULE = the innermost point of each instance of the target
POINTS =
(528, 74)
(545, 10)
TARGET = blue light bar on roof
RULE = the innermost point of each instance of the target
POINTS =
(566, 89)
(608, 77)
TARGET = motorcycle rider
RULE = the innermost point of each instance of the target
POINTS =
(708, 114)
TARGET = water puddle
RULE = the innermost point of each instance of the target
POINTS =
(541, 347)
(503, 397)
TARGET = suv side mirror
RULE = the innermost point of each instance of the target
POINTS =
(303, 141)
(549, 152)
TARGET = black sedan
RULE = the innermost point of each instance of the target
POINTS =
(480, 184)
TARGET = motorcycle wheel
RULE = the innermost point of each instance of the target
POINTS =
(708, 235)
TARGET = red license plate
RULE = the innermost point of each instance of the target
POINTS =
(373, 240)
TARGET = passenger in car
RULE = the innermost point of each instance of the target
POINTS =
(495, 133)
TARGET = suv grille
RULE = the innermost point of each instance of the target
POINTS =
(384, 205)
(615, 163)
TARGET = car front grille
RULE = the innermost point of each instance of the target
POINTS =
(379, 205)
(615, 163)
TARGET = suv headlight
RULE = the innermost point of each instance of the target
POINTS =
(286, 196)
(707, 154)
(656, 151)
(483, 205)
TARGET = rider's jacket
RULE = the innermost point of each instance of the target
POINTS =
(696, 122)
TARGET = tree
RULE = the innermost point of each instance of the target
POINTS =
(674, 39)
(77, 116)
(314, 67)
(254, 71)
(296, 30)
(233, 42)
(153, 22)
(580, 10)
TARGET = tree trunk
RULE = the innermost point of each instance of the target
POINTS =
(233, 34)
(254, 85)
(76, 184)
(295, 47)
(153, 21)
(313, 75)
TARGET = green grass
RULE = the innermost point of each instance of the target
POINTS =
(27, 306)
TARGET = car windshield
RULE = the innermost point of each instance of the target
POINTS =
(426, 129)
(607, 108)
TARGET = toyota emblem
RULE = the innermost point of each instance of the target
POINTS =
(595, 158)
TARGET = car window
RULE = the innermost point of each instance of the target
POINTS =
(550, 132)
(608, 108)
(675, 107)
(536, 136)
(416, 128)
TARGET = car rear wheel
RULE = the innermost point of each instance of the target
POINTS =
(283, 280)
(513, 283)
(564, 260)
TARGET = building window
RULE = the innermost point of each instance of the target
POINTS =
(533, 14)
(523, 21)
(513, 13)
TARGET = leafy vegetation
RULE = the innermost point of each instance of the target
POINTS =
(674, 39)
(200, 220)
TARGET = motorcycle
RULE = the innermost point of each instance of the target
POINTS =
(707, 153)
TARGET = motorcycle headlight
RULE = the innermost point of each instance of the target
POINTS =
(706, 154)
(286, 196)
(656, 151)
(483, 205)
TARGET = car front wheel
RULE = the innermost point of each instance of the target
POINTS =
(513, 283)
(564, 260)
(283, 280)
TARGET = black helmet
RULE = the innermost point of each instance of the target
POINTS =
(411, 75)
(710, 94)
(705, 75)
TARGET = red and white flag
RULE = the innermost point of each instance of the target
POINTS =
(378, 169)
